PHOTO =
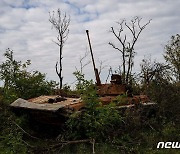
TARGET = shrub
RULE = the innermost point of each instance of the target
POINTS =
(166, 95)
(95, 120)
(18, 82)
(11, 139)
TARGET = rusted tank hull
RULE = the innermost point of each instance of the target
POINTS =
(41, 110)
(56, 113)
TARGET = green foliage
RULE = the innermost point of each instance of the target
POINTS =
(130, 131)
(121, 99)
(133, 131)
(18, 82)
(152, 70)
(82, 148)
(66, 88)
(10, 137)
(172, 55)
(166, 95)
(95, 120)
(82, 84)
(11, 143)
(157, 81)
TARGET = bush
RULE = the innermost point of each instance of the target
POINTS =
(11, 139)
(166, 95)
(95, 121)
(18, 82)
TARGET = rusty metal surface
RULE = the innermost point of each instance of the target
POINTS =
(41, 103)
(137, 99)
(75, 107)
(111, 89)
(148, 104)
(106, 99)
(140, 99)
(75, 104)
(42, 99)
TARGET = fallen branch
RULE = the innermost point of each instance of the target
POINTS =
(70, 142)
(25, 131)
(27, 144)
(63, 143)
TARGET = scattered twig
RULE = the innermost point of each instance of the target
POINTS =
(151, 127)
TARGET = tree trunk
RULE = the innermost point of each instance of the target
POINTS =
(60, 67)
(124, 67)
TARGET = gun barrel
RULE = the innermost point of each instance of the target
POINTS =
(98, 81)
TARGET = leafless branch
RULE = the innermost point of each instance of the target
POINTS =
(60, 23)
(127, 46)
(101, 66)
(110, 43)
(81, 61)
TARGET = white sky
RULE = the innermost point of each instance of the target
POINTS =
(24, 28)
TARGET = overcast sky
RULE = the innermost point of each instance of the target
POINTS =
(25, 28)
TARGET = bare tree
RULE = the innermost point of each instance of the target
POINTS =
(60, 22)
(126, 47)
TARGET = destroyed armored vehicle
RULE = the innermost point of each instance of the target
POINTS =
(56, 108)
